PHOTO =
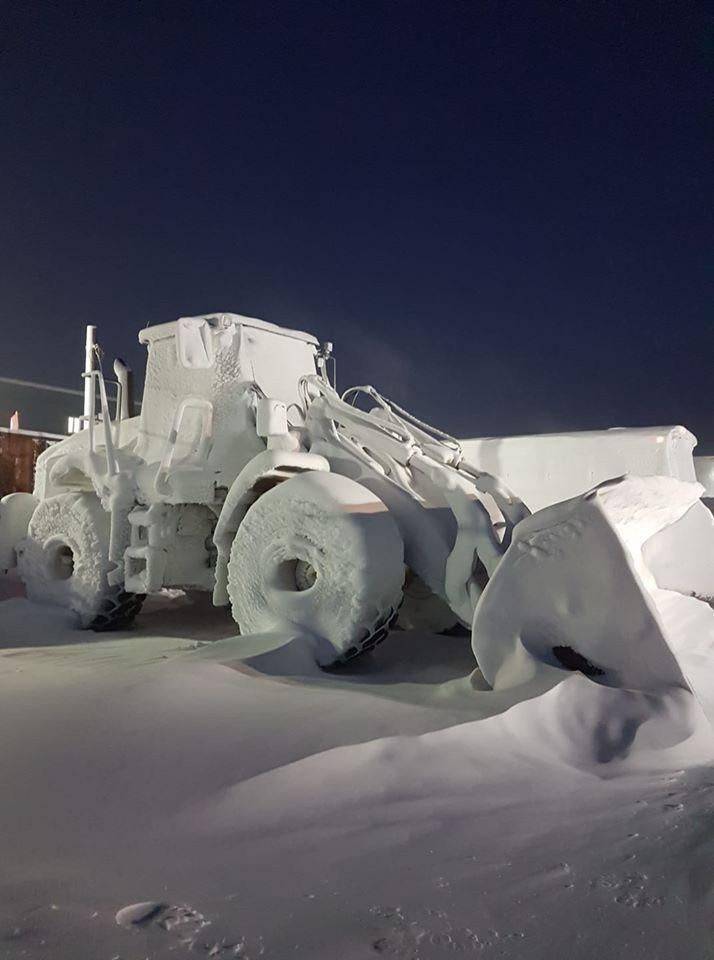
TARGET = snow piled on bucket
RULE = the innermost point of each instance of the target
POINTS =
(579, 588)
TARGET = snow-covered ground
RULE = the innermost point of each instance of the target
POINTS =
(177, 790)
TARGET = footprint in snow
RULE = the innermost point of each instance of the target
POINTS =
(429, 933)
(186, 925)
(629, 890)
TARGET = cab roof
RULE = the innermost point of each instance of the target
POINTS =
(221, 321)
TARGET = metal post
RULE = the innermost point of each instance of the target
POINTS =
(107, 425)
(88, 379)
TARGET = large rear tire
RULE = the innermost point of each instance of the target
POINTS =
(321, 553)
(64, 560)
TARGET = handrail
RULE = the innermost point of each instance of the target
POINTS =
(106, 420)
(206, 408)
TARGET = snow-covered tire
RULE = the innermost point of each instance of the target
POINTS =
(319, 552)
(64, 560)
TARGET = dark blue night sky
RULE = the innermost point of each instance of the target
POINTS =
(500, 212)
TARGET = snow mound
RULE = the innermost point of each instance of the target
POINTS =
(607, 730)
(579, 727)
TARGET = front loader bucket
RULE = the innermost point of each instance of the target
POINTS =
(614, 583)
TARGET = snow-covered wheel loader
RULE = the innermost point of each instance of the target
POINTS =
(216, 487)
(248, 475)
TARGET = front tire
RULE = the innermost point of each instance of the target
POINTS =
(321, 553)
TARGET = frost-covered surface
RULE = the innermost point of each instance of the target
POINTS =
(546, 468)
(162, 795)
(238, 354)
(74, 521)
(591, 574)
(349, 542)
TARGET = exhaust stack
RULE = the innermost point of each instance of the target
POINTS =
(125, 378)
(89, 344)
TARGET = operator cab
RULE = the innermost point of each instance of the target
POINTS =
(198, 372)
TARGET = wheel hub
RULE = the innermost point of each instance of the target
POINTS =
(295, 575)
(60, 561)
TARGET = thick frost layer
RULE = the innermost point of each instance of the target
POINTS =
(319, 552)
(546, 469)
(240, 355)
(64, 559)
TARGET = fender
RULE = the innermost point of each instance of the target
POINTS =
(260, 474)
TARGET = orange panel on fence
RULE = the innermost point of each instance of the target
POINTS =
(18, 455)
